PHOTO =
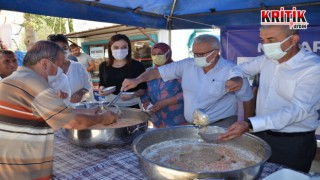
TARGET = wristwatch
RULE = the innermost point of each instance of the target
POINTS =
(249, 123)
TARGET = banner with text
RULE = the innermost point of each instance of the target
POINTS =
(238, 43)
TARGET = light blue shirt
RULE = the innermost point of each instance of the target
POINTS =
(202, 89)
(289, 93)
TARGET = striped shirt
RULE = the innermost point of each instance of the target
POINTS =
(29, 112)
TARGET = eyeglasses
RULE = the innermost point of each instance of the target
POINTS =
(200, 54)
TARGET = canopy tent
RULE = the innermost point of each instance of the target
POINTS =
(164, 14)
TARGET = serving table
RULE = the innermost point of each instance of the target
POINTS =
(112, 163)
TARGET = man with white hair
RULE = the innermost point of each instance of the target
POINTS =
(30, 111)
(203, 82)
(288, 98)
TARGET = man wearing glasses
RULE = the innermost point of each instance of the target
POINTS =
(203, 82)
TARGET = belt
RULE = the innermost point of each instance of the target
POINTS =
(287, 134)
(219, 120)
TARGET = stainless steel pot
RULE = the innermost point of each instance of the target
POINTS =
(154, 170)
(110, 136)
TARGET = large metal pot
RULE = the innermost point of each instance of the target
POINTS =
(154, 170)
(110, 136)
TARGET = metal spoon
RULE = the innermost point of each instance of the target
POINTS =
(200, 117)
(119, 112)
(115, 99)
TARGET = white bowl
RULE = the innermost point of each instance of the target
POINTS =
(108, 90)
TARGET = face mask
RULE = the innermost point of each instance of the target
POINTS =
(53, 78)
(202, 61)
(60, 82)
(159, 59)
(120, 54)
(273, 50)
(66, 53)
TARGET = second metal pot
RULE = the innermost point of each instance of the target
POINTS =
(110, 136)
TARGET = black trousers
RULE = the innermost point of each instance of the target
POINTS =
(296, 152)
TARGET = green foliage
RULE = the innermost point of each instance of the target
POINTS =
(45, 25)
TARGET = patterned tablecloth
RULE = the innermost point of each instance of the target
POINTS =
(114, 163)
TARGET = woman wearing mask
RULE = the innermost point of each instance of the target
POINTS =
(166, 97)
(119, 67)
(78, 77)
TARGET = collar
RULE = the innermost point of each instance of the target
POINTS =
(296, 59)
(24, 69)
(219, 63)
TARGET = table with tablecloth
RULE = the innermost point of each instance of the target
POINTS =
(114, 163)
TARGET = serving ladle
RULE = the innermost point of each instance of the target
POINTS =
(201, 119)
(112, 103)
(200, 116)
(115, 99)
(211, 133)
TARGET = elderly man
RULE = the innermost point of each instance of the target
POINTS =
(8, 63)
(288, 98)
(29, 112)
(203, 82)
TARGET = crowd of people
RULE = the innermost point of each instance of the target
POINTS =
(36, 98)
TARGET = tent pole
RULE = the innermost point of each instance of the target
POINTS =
(169, 37)
(147, 35)
(169, 24)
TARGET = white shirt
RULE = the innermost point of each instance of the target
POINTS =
(78, 77)
(84, 59)
(201, 90)
(289, 93)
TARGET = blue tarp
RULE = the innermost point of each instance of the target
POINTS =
(154, 13)
(20, 55)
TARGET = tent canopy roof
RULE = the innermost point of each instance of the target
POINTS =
(164, 14)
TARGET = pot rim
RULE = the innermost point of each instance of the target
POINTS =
(122, 108)
(136, 141)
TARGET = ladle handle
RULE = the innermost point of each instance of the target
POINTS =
(217, 100)
(115, 99)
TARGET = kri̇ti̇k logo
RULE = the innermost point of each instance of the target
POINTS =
(294, 18)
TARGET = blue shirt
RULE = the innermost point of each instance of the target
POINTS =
(202, 89)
